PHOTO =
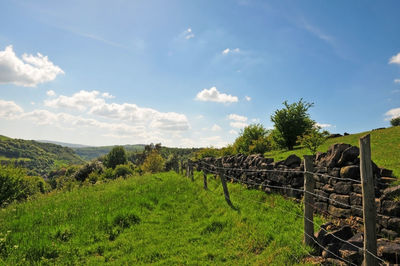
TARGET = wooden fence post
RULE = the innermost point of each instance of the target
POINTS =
(308, 200)
(225, 188)
(368, 198)
(205, 178)
(191, 172)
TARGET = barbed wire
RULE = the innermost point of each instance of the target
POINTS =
(302, 216)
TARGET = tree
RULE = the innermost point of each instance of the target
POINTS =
(313, 138)
(291, 122)
(115, 157)
(395, 121)
(153, 163)
(252, 139)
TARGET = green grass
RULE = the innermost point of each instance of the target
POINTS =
(161, 219)
(385, 148)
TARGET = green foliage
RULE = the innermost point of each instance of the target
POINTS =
(313, 138)
(16, 185)
(122, 170)
(395, 121)
(115, 157)
(39, 158)
(252, 139)
(90, 153)
(172, 163)
(83, 173)
(207, 152)
(154, 163)
(227, 151)
(160, 219)
(385, 150)
(291, 122)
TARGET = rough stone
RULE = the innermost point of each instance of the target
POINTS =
(321, 206)
(391, 192)
(341, 201)
(342, 188)
(357, 188)
(389, 251)
(351, 172)
(355, 199)
(328, 188)
(389, 233)
(292, 161)
(322, 195)
(333, 155)
(385, 172)
(349, 155)
(391, 208)
(352, 249)
(339, 212)
(394, 224)
(331, 251)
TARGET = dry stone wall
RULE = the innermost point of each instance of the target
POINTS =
(337, 182)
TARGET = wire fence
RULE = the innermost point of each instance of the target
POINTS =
(217, 170)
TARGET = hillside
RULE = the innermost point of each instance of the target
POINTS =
(38, 157)
(385, 147)
(162, 219)
(89, 153)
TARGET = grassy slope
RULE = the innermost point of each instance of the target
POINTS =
(385, 148)
(180, 223)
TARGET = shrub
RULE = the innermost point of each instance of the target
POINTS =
(154, 162)
(122, 170)
(252, 139)
(16, 185)
(313, 139)
(108, 174)
(395, 121)
(84, 172)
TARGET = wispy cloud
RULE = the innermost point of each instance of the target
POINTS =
(395, 59)
(397, 81)
(392, 113)
(188, 34)
(230, 51)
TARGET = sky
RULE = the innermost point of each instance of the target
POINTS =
(193, 73)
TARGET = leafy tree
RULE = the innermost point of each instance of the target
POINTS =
(172, 163)
(252, 139)
(291, 122)
(395, 121)
(116, 156)
(154, 162)
(313, 138)
(122, 170)
(207, 152)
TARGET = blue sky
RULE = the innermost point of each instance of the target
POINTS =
(193, 73)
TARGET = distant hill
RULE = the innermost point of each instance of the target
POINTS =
(36, 156)
(64, 144)
(89, 153)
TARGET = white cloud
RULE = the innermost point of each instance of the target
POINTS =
(188, 34)
(392, 113)
(230, 51)
(248, 98)
(238, 118)
(95, 104)
(238, 124)
(9, 109)
(28, 71)
(233, 132)
(255, 120)
(51, 93)
(215, 127)
(395, 59)
(321, 125)
(81, 101)
(213, 95)
(397, 81)
(106, 95)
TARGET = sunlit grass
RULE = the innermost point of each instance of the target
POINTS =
(385, 148)
(164, 219)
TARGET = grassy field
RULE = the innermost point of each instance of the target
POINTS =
(161, 219)
(385, 148)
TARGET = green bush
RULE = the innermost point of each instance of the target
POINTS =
(122, 170)
(108, 174)
(16, 185)
(116, 157)
(395, 121)
(83, 173)
(154, 162)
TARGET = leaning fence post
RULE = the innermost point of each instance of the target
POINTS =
(225, 188)
(368, 196)
(308, 200)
